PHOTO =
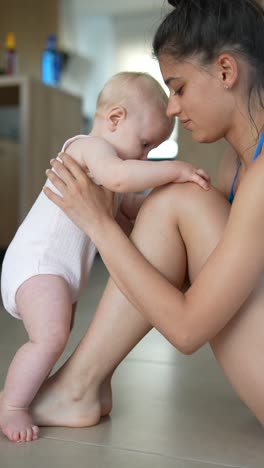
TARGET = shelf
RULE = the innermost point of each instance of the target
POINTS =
(47, 117)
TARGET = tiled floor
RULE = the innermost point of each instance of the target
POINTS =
(169, 411)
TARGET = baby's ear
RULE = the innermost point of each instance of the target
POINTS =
(115, 116)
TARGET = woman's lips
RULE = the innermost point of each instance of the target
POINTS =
(186, 123)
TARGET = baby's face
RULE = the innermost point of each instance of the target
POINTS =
(143, 132)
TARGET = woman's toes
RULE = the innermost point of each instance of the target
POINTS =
(35, 432)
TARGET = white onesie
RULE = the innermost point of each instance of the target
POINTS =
(47, 242)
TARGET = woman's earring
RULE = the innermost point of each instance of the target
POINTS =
(224, 77)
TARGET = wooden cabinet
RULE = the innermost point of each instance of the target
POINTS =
(47, 117)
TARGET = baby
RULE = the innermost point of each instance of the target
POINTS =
(49, 260)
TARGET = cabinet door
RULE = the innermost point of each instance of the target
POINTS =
(9, 191)
(53, 116)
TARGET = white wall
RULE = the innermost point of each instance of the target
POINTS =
(105, 44)
(133, 40)
(89, 42)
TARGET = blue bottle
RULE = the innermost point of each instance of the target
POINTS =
(50, 63)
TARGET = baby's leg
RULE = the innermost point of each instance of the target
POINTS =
(44, 304)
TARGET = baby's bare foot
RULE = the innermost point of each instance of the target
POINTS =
(16, 423)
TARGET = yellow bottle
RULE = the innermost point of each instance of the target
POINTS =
(10, 66)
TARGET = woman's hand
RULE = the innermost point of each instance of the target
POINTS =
(84, 202)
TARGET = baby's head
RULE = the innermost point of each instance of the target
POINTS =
(131, 111)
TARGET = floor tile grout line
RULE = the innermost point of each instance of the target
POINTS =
(149, 361)
(143, 452)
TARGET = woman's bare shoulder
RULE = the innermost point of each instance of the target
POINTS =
(252, 184)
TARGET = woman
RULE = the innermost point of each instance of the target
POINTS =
(211, 58)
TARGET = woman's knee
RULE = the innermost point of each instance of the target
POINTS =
(162, 202)
(191, 216)
(156, 235)
(176, 219)
(201, 224)
(179, 200)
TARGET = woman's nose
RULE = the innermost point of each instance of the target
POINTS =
(173, 107)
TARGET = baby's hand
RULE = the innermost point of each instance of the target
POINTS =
(188, 173)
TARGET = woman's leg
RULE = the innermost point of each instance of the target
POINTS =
(84, 381)
(75, 394)
(239, 349)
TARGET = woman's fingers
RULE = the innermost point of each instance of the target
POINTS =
(85, 203)
(56, 180)
(53, 197)
(74, 169)
(62, 171)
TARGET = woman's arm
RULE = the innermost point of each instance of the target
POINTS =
(231, 273)
(128, 211)
(131, 204)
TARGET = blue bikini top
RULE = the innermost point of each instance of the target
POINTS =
(257, 153)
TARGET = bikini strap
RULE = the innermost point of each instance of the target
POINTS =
(257, 153)
(259, 147)
(232, 190)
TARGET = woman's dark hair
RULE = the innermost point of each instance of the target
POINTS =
(205, 28)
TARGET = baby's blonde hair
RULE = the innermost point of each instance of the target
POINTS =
(126, 88)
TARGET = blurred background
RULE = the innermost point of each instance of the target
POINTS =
(92, 40)
(95, 39)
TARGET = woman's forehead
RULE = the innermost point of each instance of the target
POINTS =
(173, 70)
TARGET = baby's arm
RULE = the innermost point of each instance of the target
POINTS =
(119, 175)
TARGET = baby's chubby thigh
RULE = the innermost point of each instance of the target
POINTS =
(44, 303)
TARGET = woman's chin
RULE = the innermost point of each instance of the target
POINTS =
(202, 138)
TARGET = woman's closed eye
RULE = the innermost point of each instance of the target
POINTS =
(178, 92)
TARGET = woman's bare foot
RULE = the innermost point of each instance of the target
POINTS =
(105, 397)
(16, 423)
(65, 404)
